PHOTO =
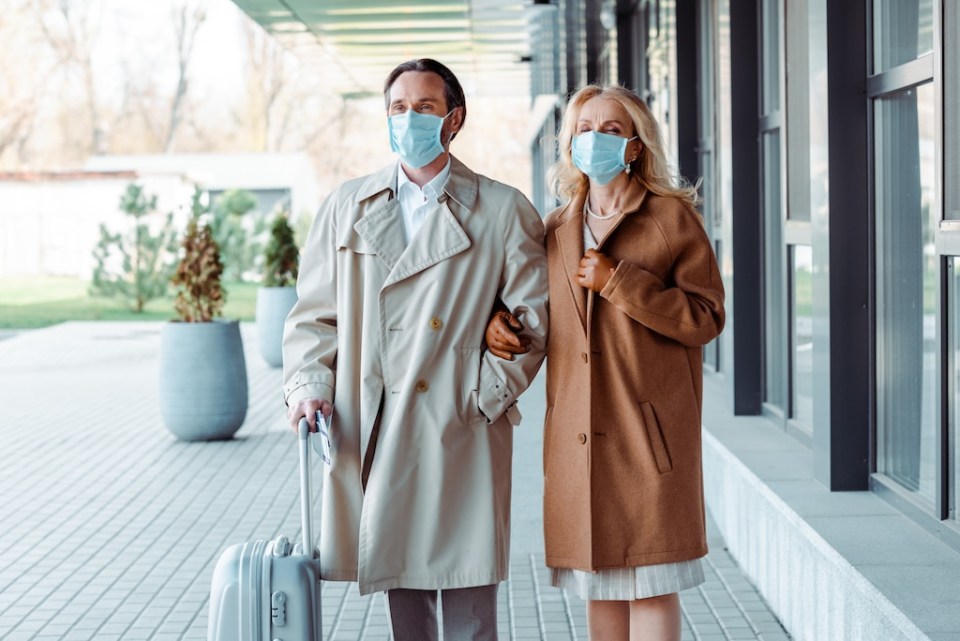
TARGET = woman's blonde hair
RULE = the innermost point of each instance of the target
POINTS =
(650, 167)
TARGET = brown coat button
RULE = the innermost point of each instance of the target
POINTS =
(435, 323)
(583, 355)
(422, 386)
(582, 438)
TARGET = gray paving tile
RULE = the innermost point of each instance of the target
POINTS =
(774, 636)
(167, 509)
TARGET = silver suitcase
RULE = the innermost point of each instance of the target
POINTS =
(270, 590)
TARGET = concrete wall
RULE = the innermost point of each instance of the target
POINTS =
(50, 226)
(813, 589)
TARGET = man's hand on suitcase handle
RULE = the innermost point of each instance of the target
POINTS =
(308, 408)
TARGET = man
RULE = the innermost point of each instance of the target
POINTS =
(398, 278)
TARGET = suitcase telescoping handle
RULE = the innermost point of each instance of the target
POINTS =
(306, 518)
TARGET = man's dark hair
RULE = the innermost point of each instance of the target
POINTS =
(452, 91)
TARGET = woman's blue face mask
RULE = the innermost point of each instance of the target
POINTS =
(416, 137)
(600, 156)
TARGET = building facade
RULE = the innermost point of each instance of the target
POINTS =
(825, 134)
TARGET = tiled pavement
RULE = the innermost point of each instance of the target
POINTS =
(110, 527)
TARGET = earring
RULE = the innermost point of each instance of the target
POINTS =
(628, 169)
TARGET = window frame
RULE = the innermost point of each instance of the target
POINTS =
(769, 123)
(925, 69)
(707, 148)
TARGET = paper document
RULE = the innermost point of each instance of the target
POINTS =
(323, 436)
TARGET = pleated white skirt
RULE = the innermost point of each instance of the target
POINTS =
(628, 584)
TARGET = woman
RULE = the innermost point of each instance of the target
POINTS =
(635, 293)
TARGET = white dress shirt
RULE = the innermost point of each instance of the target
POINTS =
(416, 203)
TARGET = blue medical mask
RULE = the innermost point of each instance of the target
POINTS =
(600, 156)
(416, 137)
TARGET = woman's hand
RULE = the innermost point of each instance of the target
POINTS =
(503, 336)
(595, 270)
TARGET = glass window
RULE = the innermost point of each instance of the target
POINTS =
(654, 25)
(706, 56)
(907, 277)
(953, 347)
(902, 31)
(706, 146)
(775, 304)
(797, 80)
(801, 304)
(706, 111)
(724, 131)
(818, 118)
(951, 103)
(951, 108)
(770, 58)
(711, 351)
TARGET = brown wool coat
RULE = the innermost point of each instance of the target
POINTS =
(622, 465)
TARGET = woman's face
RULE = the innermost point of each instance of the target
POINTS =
(608, 117)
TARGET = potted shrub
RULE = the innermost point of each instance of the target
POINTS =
(276, 297)
(203, 374)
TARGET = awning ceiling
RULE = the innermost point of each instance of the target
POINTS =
(358, 42)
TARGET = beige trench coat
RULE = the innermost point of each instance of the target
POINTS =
(380, 323)
(622, 465)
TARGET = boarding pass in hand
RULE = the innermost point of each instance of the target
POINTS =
(323, 436)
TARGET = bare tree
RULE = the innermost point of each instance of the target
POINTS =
(17, 114)
(77, 94)
(21, 86)
(71, 27)
(187, 19)
(287, 105)
(266, 79)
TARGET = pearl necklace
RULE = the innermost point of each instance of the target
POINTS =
(586, 208)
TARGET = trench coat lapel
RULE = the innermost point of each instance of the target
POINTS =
(439, 237)
(381, 226)
(382, 229)
(569, 234)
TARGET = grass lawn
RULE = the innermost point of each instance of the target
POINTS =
(32, 302)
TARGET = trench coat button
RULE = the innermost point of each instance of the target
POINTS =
(435, 323)
(583, 355)
(582, 438)
(422, 386)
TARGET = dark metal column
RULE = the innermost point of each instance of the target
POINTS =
(594, 36)
(632, 45)
(842, 447)
(687, 129)
(574, 37)
(747, 221)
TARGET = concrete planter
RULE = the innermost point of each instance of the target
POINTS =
(203, 380)
(273, 305)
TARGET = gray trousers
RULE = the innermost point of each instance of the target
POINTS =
(469, 614)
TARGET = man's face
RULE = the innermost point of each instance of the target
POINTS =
(422, 91)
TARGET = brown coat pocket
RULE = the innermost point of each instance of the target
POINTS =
(655, 436)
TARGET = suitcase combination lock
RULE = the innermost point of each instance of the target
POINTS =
(278, 609)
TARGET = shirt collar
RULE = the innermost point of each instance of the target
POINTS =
(462, 186)
(432, 189)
